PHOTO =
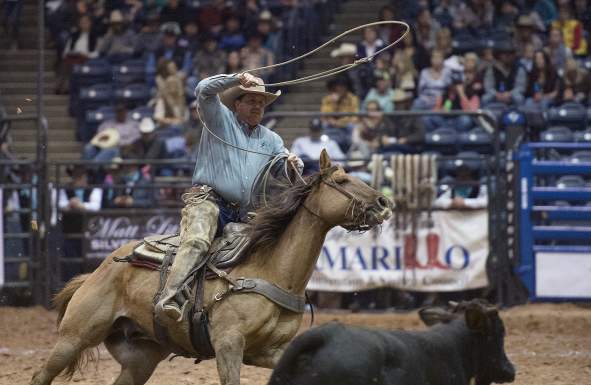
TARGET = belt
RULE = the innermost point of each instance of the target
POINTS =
(220, 201)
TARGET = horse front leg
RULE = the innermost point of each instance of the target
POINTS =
(229, 350)
(267, 359)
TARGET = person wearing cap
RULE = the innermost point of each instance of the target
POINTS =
(382, 92)
(402, 134)
(466, 192)
(171, 50)
(265, 28)
(505, 80)
(119, 41)
(232, 108)
(526, 32)
(309, 147)
(359, 77)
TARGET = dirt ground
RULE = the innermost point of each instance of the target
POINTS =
(548, 343)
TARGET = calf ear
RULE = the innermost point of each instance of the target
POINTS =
(324, 160)
(477, 319)
(434, 315)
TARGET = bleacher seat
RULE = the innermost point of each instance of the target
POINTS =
(570, 181)
(477, 139)
(93, 97)
(470, 158)
(131, 71)
(557, 134)
(443, 139)
(581, 156)
(571, 114)
(142, 112)
(583, 136)
(94, 119)
(133, 95)
(92, 72)
(498, 109)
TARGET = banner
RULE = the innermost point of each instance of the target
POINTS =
(105, 233)
(450, 256)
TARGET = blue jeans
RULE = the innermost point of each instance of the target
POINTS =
(227, 215)
(459, 123)
(91, 152)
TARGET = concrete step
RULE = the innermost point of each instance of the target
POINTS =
(65, 123)
(29, 101)
(28, 88)
(29, 54)
(56, 134)
(303, 98)
(362, 6)
(297, 107)
(24, 64)
(53, 147)
(366, 16)
(26, 76)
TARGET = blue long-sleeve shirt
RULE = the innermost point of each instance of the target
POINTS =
(230, 171)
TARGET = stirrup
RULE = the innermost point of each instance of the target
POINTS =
(171, 306)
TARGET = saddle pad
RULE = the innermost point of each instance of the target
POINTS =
(225, 251)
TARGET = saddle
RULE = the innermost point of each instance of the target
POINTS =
(225, 251)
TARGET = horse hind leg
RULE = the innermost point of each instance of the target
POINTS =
(138, 358)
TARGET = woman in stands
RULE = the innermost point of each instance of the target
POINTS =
(575, 85)
(432, 83)
(542, 83)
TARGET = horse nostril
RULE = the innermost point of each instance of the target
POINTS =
(382, 202)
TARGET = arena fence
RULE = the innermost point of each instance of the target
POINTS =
(555, 225)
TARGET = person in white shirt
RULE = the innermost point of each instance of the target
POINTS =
(308, 148)
(466, 191)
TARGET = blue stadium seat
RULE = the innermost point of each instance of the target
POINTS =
(133, 95)
(93, 97)
(557, 134)
(477, 139)
(131, 71)
(443, 139)
(94, 119)
(580, 156)
(570, 181)
(142, 112)
(583, 136)
(94, 71)
(571, 114)
(470, 158)
(498, 109)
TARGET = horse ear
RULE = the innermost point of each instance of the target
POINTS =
(324, 160)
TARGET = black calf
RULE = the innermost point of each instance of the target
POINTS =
(453, 352)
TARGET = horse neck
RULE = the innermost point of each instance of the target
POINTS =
(291, 262)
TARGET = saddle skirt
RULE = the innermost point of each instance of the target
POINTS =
(225, 251)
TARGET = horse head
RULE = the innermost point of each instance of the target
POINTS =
(343, 200)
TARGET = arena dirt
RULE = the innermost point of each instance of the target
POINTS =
(549, 344)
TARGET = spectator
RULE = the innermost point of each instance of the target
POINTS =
(365, 139)
(340, 99)
(80, 47)
(209, 60)
(119, 42)
(572, 30)
(254, 55)
(546, 11)
(148, 146)
(443, 42)
(74, 201)
(232, 38)
(475, 16)
(575, 85)
(129, 187)
(403, 134)
(11, 20)
(466, 192)
(171, 50)
(542, 83)
(211, 16)
(149, 39)
(357, 77)
(388, 33)
(472, 81)
(103, 147)
(249, 11)
(173, 12)
(404, 71)
(557, 50)
(266, 29)
(583, 13)
(189, 41)
(526, 32)
(432, 82)
(308, 147)
(382, 93)
(526, 59)
(505, 15)
(233, 63)
(170, 110)
(445, 11)
(426, 29)
(370, 44)
(505, 81)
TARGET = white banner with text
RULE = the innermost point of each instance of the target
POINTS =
(450, 255)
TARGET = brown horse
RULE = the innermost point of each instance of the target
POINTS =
(114, 303)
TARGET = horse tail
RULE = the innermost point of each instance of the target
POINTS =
(62, 299)
(299, 354)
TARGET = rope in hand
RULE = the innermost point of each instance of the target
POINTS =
(320, 75)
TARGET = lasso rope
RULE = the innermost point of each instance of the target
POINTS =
(320, 75)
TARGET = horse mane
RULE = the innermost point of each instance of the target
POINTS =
(272, 219)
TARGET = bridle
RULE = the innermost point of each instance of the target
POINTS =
(354, 203)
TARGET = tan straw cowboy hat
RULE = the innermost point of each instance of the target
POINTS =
(106, 139)
(230, 95)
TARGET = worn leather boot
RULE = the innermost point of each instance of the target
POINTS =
(172, 303)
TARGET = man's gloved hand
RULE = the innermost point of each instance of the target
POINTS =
(247, 80)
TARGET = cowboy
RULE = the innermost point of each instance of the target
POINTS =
(232, 151)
